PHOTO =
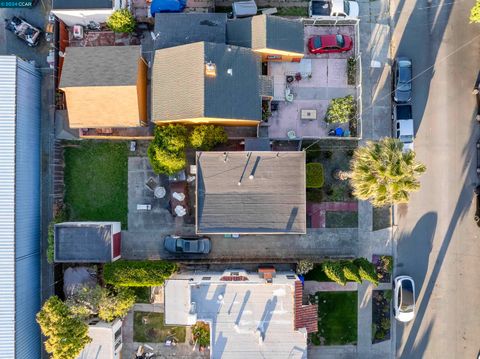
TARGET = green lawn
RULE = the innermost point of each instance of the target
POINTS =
(341, 219)
(96, 183)
(142, 294)
(337, 318)
(149, 327)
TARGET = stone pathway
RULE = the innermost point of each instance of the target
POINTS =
(317, 211)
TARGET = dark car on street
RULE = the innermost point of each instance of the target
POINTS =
(402, 80)
(188, 245)
(477, 205)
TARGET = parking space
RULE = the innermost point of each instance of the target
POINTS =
(303, 91)
(348, 30)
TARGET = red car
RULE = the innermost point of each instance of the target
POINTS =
(325, 44)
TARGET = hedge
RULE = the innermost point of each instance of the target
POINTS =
(334, 271)
(351, 271)
(138, 273)
(315, 177)
(367, 270)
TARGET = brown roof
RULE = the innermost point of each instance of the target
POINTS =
(306, 316)
(100, 66)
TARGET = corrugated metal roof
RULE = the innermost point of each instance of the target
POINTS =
(8, 65)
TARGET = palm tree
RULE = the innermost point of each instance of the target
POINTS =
(383, 174)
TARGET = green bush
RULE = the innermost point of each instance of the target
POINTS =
(201, 334)
(351, 70)
(315, 177)
(341, 110)
(334, 271)
(167, 150)
(475, 13)
(351, 271)
(367, 270)
(206, 137)
(121, 20)
(60, 217)
(138, 273)
(304, 266)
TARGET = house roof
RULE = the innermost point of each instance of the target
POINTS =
(100, 66)
(305, 315)
(81, 4)
(83, 242)
(257, 144)
(174, 29)
(273, 201)
(264, 31)
(103, 343)
(182, 90)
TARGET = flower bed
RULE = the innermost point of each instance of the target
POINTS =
(381, 323)
(384, 267)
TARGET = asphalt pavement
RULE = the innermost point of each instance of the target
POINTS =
(438, 241)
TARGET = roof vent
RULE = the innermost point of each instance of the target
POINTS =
(210, 69)
(230, 72)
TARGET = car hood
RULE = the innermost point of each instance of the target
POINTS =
(405, 317)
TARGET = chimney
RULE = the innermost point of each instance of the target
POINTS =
(210, 69)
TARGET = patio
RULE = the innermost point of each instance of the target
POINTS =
(147, 212)
(303, 91)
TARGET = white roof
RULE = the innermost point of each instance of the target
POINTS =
(242, 313)
(102, 345)
(177, 300)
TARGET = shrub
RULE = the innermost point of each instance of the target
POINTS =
(201, 333)
(314, 195)
(66, 334)
(351, 271)
(167, 150)
(367, 270)
(334, 271)
(351, 70)
(102, 302)
(138, 273)
(387, 263)
(206, 137)
(475, 13)
(60, 217)
(304, 266)
(121, 20)
(315, 177)
(341, 110)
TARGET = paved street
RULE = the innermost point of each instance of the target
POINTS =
(438, 242)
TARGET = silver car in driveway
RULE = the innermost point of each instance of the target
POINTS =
(187, 245)
(404, 298)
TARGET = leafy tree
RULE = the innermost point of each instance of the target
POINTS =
(314, 175)
(383, 174)
(341, 110)
(138, 273)
(367, 270)
(121, 20)
(61, 216)
(97, 301)
(475, 13)
(351, 271)
(167, 150)
(206, 137)
(66, 334)
(334, 271)
(304, 266)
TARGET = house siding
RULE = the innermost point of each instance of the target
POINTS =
(19, 208)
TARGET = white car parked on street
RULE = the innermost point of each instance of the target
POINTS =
(404, 298)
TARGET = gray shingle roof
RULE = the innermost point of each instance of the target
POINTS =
(264, 31)
(273, 201)
(174, 29)
(81, 4)
(83, 242)
(100, 66)
(181, 90)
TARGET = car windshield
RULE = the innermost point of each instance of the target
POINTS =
(340, 40)
(317, 42)
(406, 304)
(406, 138)
(346, 6)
